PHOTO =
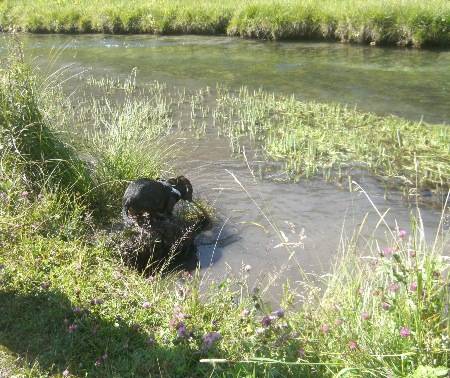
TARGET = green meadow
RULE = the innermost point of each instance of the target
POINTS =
(400, 22)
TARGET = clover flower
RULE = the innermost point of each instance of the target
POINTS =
(405, 332)
(365, 316)
(401, 233)
(260, 331)
(353, 345)
(266, 321)
(385, 306)
(335, 308)
(65, 373)
(73, 328)
(146, 304)
(245, 313)
(394, 287)
(182, 330)
(326, 329)
(209, 339)
(413, 286)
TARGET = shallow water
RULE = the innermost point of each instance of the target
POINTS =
(254, 216)
(412, 83)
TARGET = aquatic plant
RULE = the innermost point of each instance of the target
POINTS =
(337, 142)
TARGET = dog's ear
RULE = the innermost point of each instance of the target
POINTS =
(172, 181)
(185, 188)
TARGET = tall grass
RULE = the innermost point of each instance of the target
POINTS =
(410, 22)
(30, 143)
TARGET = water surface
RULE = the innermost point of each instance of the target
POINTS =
(412, 83)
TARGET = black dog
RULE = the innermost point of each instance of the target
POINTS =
(155, 197)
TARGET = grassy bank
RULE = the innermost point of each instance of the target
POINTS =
(408, 23)
(72, 306)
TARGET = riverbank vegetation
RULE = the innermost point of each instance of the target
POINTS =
(406, 23)
(71, 306)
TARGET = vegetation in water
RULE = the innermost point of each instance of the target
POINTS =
(71, 306)
(410, 22)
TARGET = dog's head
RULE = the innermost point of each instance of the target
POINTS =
(183, 185)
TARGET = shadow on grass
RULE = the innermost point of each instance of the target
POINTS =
(46, 330)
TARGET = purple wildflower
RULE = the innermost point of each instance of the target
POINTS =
(146, 305)
(326, 329)
(335, 308)
(151, 341)
(73, 328)
(105, 356)
(266, 321)
(97, 363)
(260, 331)
(387, 251)
(65, 373)
(245, 312)
(413, 286)
(209, 338)
(394, 287)
(401, 233)
(25, 193)
(353, 345)
(365, 316)
(405, 332)
(280, 313)
(182, 330)
(385, 306)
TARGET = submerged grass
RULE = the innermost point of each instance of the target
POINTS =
(71, 306)
(410, 22)
(335, 141)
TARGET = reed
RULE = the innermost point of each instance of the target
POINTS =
(410, 22)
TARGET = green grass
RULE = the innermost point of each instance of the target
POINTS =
(336, 142)
(410, 22)
(70, 303)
